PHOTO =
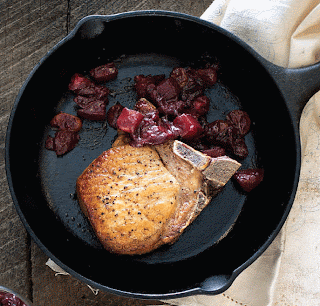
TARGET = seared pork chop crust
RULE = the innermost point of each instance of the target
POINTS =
(129, 197)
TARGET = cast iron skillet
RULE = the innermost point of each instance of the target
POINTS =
(153, 42)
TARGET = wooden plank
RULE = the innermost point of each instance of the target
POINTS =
(14, 255)
(23, 41)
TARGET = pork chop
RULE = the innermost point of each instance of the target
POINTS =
(138, 199)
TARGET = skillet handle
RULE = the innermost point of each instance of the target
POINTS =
(215, 284)
(297, 85)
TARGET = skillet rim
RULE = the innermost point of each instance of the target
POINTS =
(206, 289)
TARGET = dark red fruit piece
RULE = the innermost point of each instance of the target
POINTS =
(129, 120)
(153, 131)
(215, 152)
(83, 101)
(78, 82)
(100, 92)
(96, 111)
(240, 120)
(220, 132)
(193, 88)
(142, 83)
(82, 86)
(65, 141)
(249, 179)
(157, 79)
(113, 114)
(104, 73)
(189, 127)
(171, 108)
(240, 148)
(181, 76)
(65, 121)
(208, 75)
(167, 90)
(200, 106)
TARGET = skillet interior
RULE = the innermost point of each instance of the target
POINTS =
(43, 185)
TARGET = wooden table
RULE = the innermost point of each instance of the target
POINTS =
(28, 29)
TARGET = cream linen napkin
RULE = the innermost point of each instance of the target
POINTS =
(287, 33)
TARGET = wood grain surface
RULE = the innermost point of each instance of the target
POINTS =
(28, 30)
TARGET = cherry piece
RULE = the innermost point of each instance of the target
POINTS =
(142, 84)
(189, 126)
(167, 90)
(172, 107)
(78, 82)
(104, 73)
(200, 106)
(84, 101)
(129, 120)
(180, 75)
(220, 132)
(65, 141)
(239, 147)
(153, 132)
(240, 120)
(65, 121)
(208, 75)
(96, 111)
(113, 114)
(82, 86)
(249, 179)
